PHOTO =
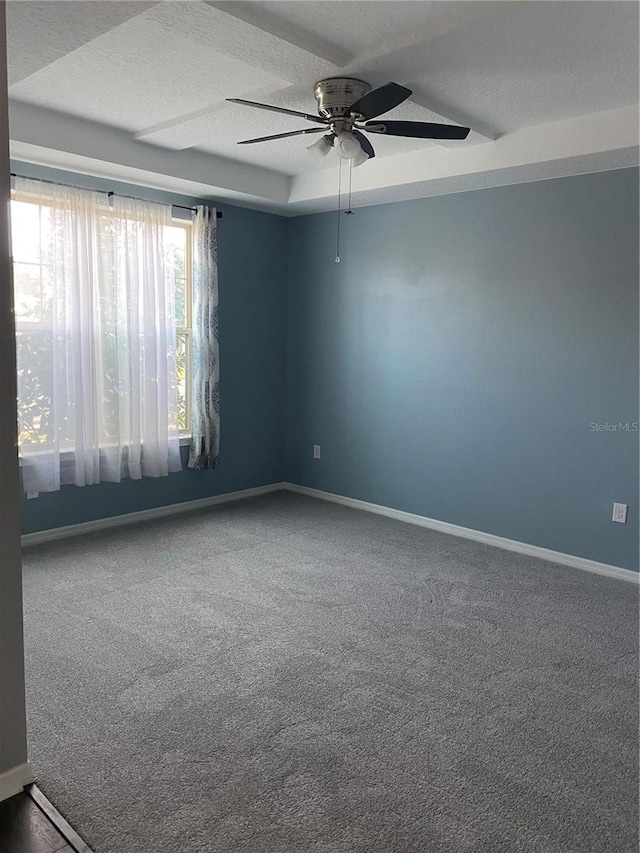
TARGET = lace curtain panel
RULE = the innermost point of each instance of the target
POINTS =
(205, 399)
(96, 338)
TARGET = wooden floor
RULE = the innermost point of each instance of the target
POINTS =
(30, 824)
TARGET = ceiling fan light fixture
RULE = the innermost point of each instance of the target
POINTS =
(360, 158)
(322, 146)
(350, 149)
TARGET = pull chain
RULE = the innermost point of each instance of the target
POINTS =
(338, 211)
(348, 211)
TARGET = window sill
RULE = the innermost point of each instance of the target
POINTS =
(67, 455)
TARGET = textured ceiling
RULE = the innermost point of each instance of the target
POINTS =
(143, 71)
(38, 33)
(160, 72)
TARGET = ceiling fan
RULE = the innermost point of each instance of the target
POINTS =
(346, 107)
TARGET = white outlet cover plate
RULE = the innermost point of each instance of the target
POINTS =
(620, 513)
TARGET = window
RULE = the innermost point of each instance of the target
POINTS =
(178, 242)
(116, 357)
(33, 221)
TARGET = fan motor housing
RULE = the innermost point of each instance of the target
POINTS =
(336, 94)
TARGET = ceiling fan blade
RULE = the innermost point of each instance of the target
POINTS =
(380, 100)
(308, 117)
(282, 135)
(367, 147)
(417, 129)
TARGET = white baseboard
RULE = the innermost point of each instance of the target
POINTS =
(80, 529)
(476, 535)
(422, 521)
(13, 781)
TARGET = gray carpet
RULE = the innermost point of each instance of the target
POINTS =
(285, 675)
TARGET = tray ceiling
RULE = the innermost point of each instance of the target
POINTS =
(137, 90)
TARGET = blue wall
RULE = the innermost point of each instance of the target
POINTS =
(252, 261)
(452, 364)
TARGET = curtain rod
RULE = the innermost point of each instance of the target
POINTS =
(110, 193)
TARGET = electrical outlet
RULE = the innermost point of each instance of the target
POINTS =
(316, 451)
(620, 513)
(31, 495)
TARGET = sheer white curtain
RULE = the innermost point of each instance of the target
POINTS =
(97, 391)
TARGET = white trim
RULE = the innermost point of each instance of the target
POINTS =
(475, 535)
(55, 533)
(411, 518)
(13, 781)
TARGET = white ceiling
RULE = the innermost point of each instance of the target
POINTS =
(136, 91)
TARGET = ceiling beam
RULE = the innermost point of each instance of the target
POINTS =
(233, 30)
(279, 27)
(60, 140)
